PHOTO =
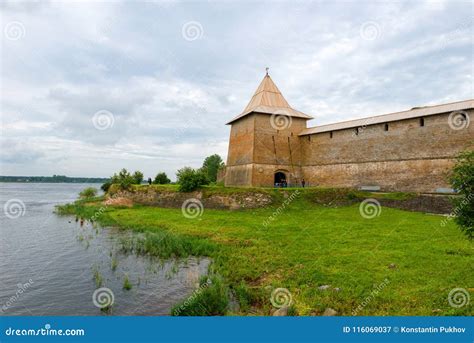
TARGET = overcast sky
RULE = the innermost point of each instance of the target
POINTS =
(88, 88)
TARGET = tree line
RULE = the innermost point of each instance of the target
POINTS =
(188, 178)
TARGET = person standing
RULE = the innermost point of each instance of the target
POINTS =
(303, 182)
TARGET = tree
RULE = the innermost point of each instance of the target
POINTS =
(137, 177)
(123, 179)
(190, 179)
(161, 179)
(462, 180)
(211, 166)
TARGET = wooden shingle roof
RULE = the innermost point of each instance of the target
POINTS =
(415, 112)
(268, 99)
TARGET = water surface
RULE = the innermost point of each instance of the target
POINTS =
(48, 262)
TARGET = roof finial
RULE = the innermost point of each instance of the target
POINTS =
(266, 69)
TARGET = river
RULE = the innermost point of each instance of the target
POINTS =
(51, 265)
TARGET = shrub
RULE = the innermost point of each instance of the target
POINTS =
(190, 179)
(88, 192)
(105, 186)
(137, 177)
(462, 180)
(161, 179)
(123, 179)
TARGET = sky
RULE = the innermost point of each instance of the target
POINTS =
(88, 88)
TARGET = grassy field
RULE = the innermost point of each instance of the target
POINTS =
(397, 263)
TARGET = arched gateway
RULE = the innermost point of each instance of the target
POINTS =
(279, 178)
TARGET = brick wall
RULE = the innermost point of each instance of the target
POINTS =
(406, 157)
(403, 156)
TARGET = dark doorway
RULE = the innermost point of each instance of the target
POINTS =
(280, 178)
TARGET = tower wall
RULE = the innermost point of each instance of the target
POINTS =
(277, 148)
(240, 156)
(261, 145)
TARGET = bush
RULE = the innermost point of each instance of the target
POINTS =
(462, 180)
(105, 186)
(190, 179)
(137, 177)
(88, 192)
(123, 179)
(161, 179)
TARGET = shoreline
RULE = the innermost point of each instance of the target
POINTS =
(253, 259)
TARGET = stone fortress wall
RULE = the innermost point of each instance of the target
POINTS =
(407, 155)
(409, 151)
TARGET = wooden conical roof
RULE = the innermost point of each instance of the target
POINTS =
(267, 94)
(268, 99)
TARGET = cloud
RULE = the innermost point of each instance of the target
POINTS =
(167, 98)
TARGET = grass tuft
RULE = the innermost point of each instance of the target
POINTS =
(210, 299)
(164, 245)
(98, 279)
(127, 285)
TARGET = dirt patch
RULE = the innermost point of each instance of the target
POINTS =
(118, 201)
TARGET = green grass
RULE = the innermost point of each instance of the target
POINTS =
(308, 245)
(165, 244)
(98, 279)
(210, 299)
(127, 285)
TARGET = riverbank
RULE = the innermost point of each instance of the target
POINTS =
(328, 253)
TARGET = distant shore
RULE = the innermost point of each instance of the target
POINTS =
(52, 179)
